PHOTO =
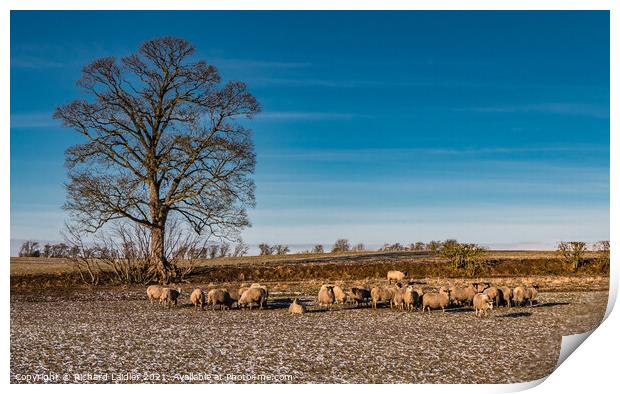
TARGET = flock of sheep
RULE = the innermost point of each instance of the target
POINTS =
(481, 296)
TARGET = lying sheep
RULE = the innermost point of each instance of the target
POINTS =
(482, 304)
(518, 295)
(396, 276)
(507, 296)
(463, 295)
(219, 297)
(378, 294)
(198, 298)
(531, 293)
(341, 296)
(253, 295)
(326, 296)
(169, 296)
(153, 292)
(297, 308)
(494, 294)
(436, 300)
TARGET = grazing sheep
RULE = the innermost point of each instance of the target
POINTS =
(241, 290)
(411, 299)
(219, 297)
(341, 296)
(531, 293)
(494, 294)
(326, 296)
(482, 304)
(381, 294)
(253, 295)
(396, 276)
(296, 308)
(436, 300)
(463, 295)
(518, 295)
(153, 292)
(507, 296)
(198, 298)
(261, 287)
(359, 295)
(169, 296)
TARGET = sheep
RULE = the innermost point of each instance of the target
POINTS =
(531, 293)
(396, 276)
(252, 295)
(463, 295)
(153, 292)
(169, 296)
(398, 299)
(326, 296)
(494, 294)
(507, 296)
(358, 295)
(482, 304)
(341, 296)
(296, 308)
(436, 300)
(198, 298)
(262, 287)
(241, 290)
(219, 297)
(518, 295)
(411, 299)
(381, 294)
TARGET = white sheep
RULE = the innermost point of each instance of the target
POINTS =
(326, 296)
(396, 276)
(482, 304)
(436, 300)
(198, 298)
(153, 292)
(252, 295)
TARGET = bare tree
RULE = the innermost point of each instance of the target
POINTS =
(281, 249)
(358, 247)
(572, 252)
(602, 249)
(30, 249)
(265, 249)
(341, 245)
(318, 249)
(162, 139)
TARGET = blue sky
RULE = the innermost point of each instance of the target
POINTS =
(489, 127)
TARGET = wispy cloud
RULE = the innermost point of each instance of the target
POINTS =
(303, 115)
(582, 109)
(253, 63)
(399, 153)
(33, 120)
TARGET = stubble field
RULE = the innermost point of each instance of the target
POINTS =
(113, 335)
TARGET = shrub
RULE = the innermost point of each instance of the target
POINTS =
(318, 249)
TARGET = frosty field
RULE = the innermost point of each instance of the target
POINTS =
(113, 335)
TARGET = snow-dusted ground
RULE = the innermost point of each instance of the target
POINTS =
(114, 335)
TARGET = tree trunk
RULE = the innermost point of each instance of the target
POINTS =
(158, 255)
